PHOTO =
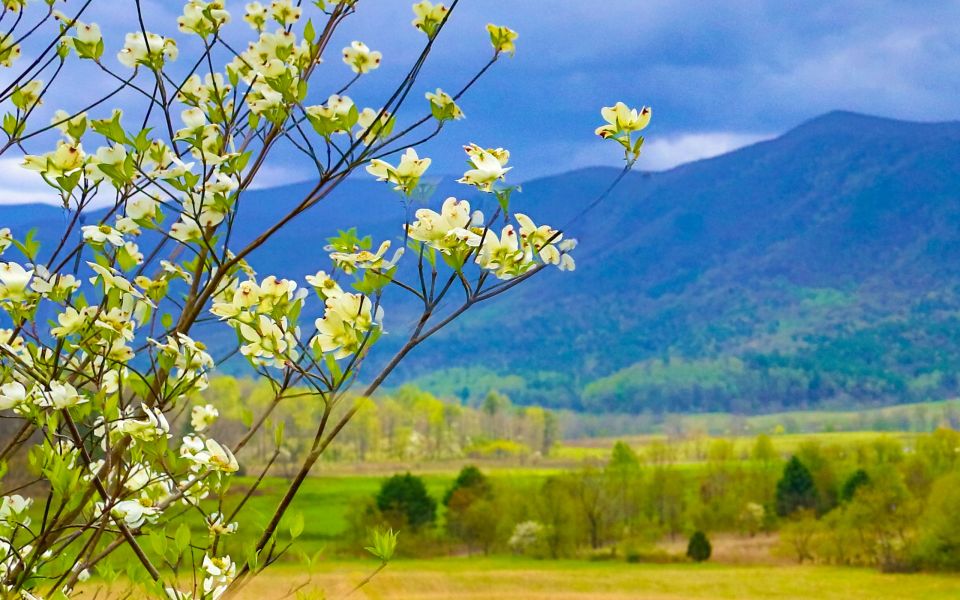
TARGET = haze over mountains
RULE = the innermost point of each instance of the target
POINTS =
(821, 268)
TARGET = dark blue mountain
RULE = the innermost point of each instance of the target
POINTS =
(821, 268)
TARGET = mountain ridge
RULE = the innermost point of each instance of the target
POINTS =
(817, 268)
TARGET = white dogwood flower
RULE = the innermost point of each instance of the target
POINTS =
(14, 280)
(443, 107)
(489, 166)
(405, 175)
(203, 416)
(438, 229)
(428, 16)
(360, 58)
(13, 394)
(60, 396)
(151, 49)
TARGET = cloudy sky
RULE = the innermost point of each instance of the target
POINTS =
(718, 74)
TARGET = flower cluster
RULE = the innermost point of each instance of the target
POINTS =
(457, 233)
(203, 18)
(264, 316)
(273, 67)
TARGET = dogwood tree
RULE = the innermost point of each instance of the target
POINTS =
(100, 360)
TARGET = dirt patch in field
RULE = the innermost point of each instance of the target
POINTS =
(735, 550)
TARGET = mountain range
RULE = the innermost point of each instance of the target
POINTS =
(817, 269)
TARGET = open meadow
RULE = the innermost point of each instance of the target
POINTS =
(515, 578)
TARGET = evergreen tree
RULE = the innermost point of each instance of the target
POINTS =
(796, 489)
(853, 483)
(699, 548)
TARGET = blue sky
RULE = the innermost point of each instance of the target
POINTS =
(718, 75)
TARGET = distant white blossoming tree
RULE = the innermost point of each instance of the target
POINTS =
(99, 363)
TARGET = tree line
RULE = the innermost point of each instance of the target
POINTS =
(880, 503)
(403, 424)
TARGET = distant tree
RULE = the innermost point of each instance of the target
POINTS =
(623, 482)
(592, 500)
(939, 527)
(763, 450)
(885, 513)
(551, 431)
(525, 536)
(471, 516)
(555, 511)
(752, 518)
(472, 479)
(822, 467)
(473, 520)
(858, 479)
(666, 494)
(798, 536)
(405, 496)
(496, 406)
(623, 457)
(796, 489)
(699, 548)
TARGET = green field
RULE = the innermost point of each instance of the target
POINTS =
(326, 499)
(742, 567)
(325, 502)
(500, 578)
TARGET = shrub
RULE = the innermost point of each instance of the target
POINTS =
(526, 536)
(699, 548)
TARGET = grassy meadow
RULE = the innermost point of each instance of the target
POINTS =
(324, 561)
(326, 499)
(501, 578)
(689, 480)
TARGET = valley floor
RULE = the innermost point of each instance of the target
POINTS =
(507, 578)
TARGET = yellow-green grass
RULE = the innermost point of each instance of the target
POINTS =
(694, 448)
(827, 420)
(502, 578)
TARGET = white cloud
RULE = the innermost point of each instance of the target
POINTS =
(19, 186)
(663, 153)
(660, 154)
(271, 176)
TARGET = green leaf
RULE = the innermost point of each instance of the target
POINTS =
(246, 417)
(158, 541)
(182, 537)
(30, 246)
(296, 525)
(384, 544)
